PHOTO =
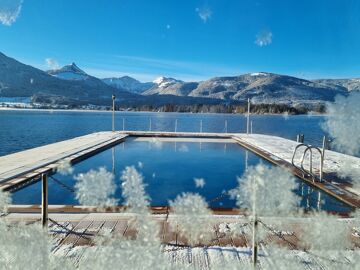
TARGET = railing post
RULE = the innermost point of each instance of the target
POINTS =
(324, 146)
(44, 200)
(113, 112)
(254, 243)
(302, 138)
(248, 118)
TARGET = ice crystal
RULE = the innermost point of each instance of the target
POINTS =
(232, 228)
(120, 253)
(133, 190)
(65, 167)
(199, 182)
(24, 247)
(140, 165)
(183, 148)
(5, 200)
(343, 123)
(156, 143)
(281, 259)
(144, 252)
(192, 216)
(96, 188)
(323, 232)
(266, 191)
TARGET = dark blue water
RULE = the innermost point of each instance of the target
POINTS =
(20, 130)
(169, 169)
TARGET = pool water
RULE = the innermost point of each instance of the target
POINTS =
(169, 168)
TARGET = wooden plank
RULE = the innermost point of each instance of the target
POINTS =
(30, 163)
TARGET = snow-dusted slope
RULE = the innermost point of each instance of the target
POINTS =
(69, 72)
(260, 87)
(129, 84)
(348, 84)
(171, 86)
(20, 80)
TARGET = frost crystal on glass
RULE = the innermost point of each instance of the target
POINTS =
(323, 232)
(65, 167)
(266, 191)
(193, 217)
(133, 190)
(96, 188)
(5, 200)
(199, 182)
(343, 123)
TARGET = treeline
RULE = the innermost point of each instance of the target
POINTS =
(231, 108)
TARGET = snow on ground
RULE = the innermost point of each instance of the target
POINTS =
(334, 162)
(215, 257)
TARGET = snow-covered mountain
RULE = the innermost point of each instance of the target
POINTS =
(170, 86)
(129, 84)
(348, 84)
(71, 85)
(260, 87)
(69, 72)
(20, 80)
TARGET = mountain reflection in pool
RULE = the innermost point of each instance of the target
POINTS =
(169, 167)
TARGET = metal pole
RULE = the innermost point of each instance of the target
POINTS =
(113, 161)
(254, 242)
(298, 138)
(324, 146)
(113, 113)
(44, 200)
(248, 117)
(255, 226)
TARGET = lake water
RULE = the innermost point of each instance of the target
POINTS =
(20, 130)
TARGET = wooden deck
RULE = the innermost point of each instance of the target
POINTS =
(74, 234)
(21, 168)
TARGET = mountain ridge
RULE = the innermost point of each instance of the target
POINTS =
(70, 83)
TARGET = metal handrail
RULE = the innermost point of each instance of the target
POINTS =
(309, 148)
(293, 157)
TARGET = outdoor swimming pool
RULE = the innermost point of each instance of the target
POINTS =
(169, 167)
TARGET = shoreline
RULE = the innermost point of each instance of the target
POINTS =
(109, 111)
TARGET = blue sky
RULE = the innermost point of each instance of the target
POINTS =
(189, 40)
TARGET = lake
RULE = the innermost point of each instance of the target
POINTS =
(24, 129)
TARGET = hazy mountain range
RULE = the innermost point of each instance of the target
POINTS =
(70, 84)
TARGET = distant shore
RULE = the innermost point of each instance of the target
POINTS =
(131, 111)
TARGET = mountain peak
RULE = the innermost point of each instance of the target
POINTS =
(165, 81)
(72, 68)
(69, 72)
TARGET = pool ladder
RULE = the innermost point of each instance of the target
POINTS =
(310, 148)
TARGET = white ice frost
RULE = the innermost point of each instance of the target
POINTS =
(270, 189)
(96, 188)
(133, 190)
(343, 123)
(199, 182)
(193, 217)
(65, 167)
